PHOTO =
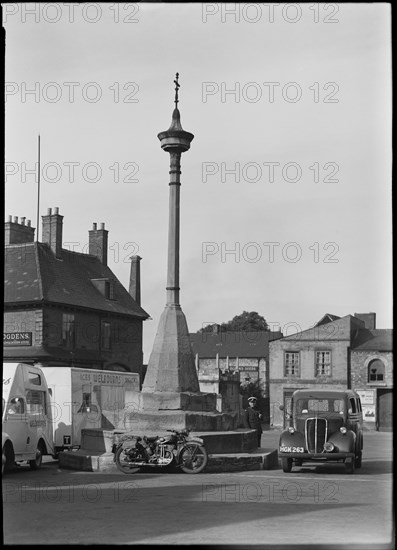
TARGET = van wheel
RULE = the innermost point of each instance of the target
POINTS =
(358, 460)
(7, 458)
(35, 464)
(286, 464)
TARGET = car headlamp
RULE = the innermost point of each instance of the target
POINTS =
(291, 430)
(343, 430)
(328, 447)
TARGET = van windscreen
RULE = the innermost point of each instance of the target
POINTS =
(34, 378)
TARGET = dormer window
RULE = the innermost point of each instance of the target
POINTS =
(108, 290)
(105, 287)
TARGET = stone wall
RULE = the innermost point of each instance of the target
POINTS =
(360, 361)
(280, 383)
(369, 390)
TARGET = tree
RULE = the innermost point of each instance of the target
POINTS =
(245, 322)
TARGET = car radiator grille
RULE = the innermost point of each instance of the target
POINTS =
(316, 434)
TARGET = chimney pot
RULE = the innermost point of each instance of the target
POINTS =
(56, 210)
(49, 211)
(23, 220)
(102, 226)
(94, 226)
(15, 219)
(10, 218)
(29, 222)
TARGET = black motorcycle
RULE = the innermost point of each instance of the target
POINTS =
(133, 452)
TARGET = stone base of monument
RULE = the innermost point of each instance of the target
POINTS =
(155, 420)
(228, 451)
(185, 401)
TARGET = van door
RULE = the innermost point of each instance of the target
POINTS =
(36, 413)
(16, 424)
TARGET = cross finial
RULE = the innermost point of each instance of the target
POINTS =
(177, 86)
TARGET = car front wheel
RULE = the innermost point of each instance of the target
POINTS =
(350, 466)
(286, 464)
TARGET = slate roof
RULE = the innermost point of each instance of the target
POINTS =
(33, 273)
(377, 340)
(233, 344)
(327, 318)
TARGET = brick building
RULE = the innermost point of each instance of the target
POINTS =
(337, 353)
(224, 360)
(65, 308)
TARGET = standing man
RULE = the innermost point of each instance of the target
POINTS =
(253, 417)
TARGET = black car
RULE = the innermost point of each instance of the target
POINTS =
(324, 426)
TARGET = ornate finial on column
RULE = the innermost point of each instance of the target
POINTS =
(175, 139)
(177, 86)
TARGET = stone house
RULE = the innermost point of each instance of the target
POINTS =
(64, 308)
(371, 372)
(326, 356)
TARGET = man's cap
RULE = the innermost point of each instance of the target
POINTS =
(252, 399)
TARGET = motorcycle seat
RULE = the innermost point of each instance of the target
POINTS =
(151, 439)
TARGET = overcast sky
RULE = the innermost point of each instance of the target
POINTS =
(290, 106)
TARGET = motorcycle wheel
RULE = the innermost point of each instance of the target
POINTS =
(193, 459)
(122, 462)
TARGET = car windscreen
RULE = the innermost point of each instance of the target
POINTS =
(313, 405)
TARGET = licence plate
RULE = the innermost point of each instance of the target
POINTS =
(285, 449)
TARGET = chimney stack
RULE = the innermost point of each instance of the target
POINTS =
(18, 233)
(52, 231)
(98, 243)
(135, 279)
(368, 318)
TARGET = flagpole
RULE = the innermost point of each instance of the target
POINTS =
(38, 194)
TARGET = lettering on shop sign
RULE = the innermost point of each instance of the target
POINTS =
(17, 338)
(111, 379)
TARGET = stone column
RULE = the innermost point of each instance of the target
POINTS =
(174, 230)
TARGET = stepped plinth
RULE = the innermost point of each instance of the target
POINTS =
(171, 397)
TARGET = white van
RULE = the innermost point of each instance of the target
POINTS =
(89, 398)
(27, 432)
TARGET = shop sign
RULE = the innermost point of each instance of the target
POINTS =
(366, 396)
(17, 339)
(248, 368)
